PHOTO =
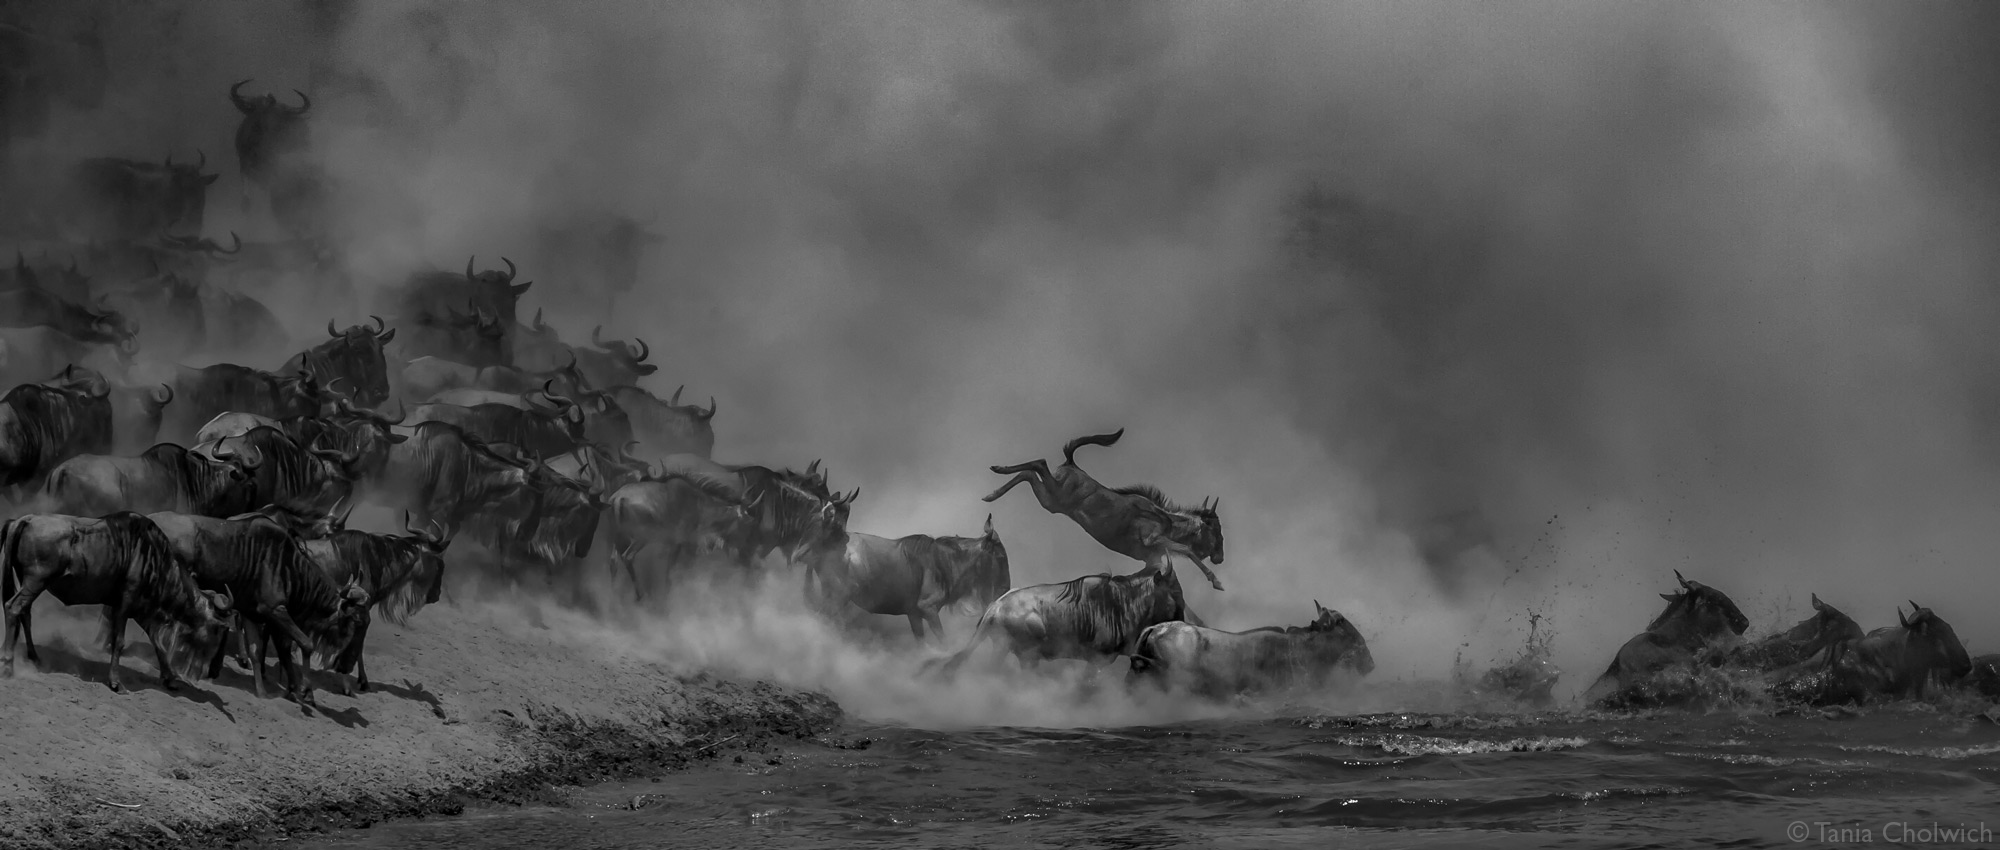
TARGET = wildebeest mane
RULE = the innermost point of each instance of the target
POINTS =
(1097, 609)
(1148, 491)
(163, 584)
(389, 567)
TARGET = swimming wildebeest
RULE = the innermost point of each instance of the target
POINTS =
(1213, 663)
(1826, 627)
(914, 576)
(121, 561)
(1091, 618)
(1898, 661)
(1694, 617)
(1137, 521)
(42, 426)
(1985, 675)
(278, 589)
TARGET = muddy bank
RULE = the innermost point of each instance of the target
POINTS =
(476, 703)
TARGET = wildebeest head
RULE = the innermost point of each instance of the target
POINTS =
(368, 434)
(626, 356)
(1932, 638)
(1699, 611)
(188, 195)
(1332, 632)
(1207, 542)
(302, 393)
(305, 526)
(989, 571)
(1825, 626)
(269, 129)
(428, 571)
(217, 612)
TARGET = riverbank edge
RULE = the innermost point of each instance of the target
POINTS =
(556, 751)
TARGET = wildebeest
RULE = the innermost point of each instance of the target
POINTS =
(166, 477)
(538, 348)
(27, 305)
(203, 393)
(1090, 618)
(595, 465)
(427, 297)
(400, 574)
(914, 576)
(1985, 675)
(42, 426)
(277, 587)
(795, 514)
(1137, 521)
(603, 420)
(130, 200)
(560, 522)
(680, 514)
(121, 561)
(1212, 663)
(298, 477)
(542, 430)
(27, 355)
(425, 378)
(666, 427)
(135, 411)
(614, 363)
(270, 133)
(1826, 627)
(347, 429)
(441, 473)
(1694, 617)
(354, 354)
(1903, 660)
(471, 340)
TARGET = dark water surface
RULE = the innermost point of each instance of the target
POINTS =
(1397, 780)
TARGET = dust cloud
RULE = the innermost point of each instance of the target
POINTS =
(1462, 311)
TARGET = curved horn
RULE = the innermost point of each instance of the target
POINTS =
(305, 103)
(407, 529)
(625, 451)
(468, 267)
(237, 98)
(380, 325)
(1677, 577)
(539, 324)
(596, 335)
(1900, 619)
(812, 467)
(510, 269)
(201, 159)
(676, 400)
(710, 414)
(165, 396)
(235, 240)
(330, 331)
(645, 350)
(1914, 607)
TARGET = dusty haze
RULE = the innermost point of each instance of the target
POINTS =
(1650, 287)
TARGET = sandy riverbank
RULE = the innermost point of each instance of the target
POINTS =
(480, 702)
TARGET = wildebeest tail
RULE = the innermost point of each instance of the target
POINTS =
(949, 665)
(1069, 448)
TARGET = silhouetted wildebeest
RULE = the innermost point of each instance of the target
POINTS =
(1218, 664)
(28, 355)
(1091, 618)
(914, 576)
(443, 474)
(354, 354)
(277, 587)
(667, 427)
(472, 340)
(42, 426)
(679, 514)
(166, 477)
(420, 302)
(365, 434)
(270, 133)
(1694, 617)
(1903, 660)
(65, 282)
(400, 574)
(27, 304)
(560, 523)
(614, 363)
(1826, 627)
(121, 561)
(1136, 521)
(115, 198)
(1985, 675)
(203, 393)
(595, 465)
(295, 476)
(603, 420)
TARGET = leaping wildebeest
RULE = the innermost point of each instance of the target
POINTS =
(1092, 618)
(1218, 664)
(1135, 521)
(914, 576)
(1694, 617)
(121, 561)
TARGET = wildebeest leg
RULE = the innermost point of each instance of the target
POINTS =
(1044, 493)
(116, 612)
(18, 623)
(916, 617)
(287, 629)
(1212, 582)
(28, 634)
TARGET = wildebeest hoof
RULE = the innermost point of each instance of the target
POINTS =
(1215, 584)
(171, 684)
(114, 686)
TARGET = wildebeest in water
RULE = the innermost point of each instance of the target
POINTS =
(914, 576)
(1137, 521)
(1213, 663)
(121, 561)
(1826, 627)
(1694, 617)
(1904, 660)
(1090, 618)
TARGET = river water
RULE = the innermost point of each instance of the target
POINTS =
(1904, 774)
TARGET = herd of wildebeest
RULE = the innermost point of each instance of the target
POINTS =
(210, 503)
